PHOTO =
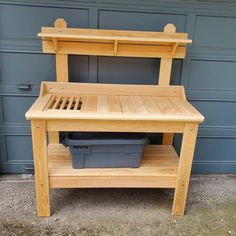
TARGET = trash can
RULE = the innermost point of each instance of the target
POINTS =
(105, 150)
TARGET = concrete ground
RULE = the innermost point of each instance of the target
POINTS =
(210, 209)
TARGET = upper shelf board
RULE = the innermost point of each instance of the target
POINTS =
(103, 42)
(125, 36)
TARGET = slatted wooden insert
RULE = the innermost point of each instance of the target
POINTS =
(58, 103)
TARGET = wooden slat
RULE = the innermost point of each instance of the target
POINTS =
(178, 104)
(111, 182)
(138, 104)
(50, 102)
(127, 104)
(57, 102)
(112, 35)
(114, 104)
(164, 105)
(150, 105)
(76, 104)
(102, 104)
(71, 100)
(90, 104)
(64, 100)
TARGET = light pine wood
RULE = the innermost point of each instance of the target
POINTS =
(165, 74)
(62, 41)
(41, 167)
(168, 138)
(107, 49)
(165, 71)
(53, 137)
(158, 169)
(61, 59)
(62, 67)
(157, 103)
(74, 34)
(64, 106)
(184, 170)
(61, 70)
(115, 125)
(111, 89)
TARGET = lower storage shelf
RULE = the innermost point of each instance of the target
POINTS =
(158, 169)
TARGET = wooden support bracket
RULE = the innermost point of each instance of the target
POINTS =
(54, 40)
(174, 49)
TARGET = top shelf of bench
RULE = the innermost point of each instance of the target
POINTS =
(122, 36)
(104, 42)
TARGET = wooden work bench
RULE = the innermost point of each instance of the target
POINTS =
(63, 106)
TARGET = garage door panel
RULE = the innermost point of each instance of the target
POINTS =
(14, 158)
(15, 107)
(24, 22)
(217, 113)
(133, 70)
(215, 155)
(212, 75)
(26, 68)
(32, 68)
(15, 152)
(215, 149)
(215, 31)
(147, 21)
(78, 68)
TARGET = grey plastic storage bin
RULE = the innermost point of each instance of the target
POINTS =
(101, 150)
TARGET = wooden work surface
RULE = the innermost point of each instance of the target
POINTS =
(158, 168)
(137, 102)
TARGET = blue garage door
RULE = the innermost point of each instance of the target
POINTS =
(208, 73)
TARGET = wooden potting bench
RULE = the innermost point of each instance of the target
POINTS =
(63, 106)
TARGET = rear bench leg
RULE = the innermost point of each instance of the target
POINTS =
(41, 167)
(184, 169)
(168, 139)
(53, 137)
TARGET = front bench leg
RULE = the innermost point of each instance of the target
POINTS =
(41, 167)
(184, 169)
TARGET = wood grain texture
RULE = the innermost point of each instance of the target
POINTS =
(41, 167)
(131, 102)
(62, 41)
(64, 106)
(184, 170)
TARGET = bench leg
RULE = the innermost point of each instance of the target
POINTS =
(41, 167)
(168, 139)
(53, 137)
(184, 170)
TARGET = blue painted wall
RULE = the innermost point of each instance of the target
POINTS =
(208, 73)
